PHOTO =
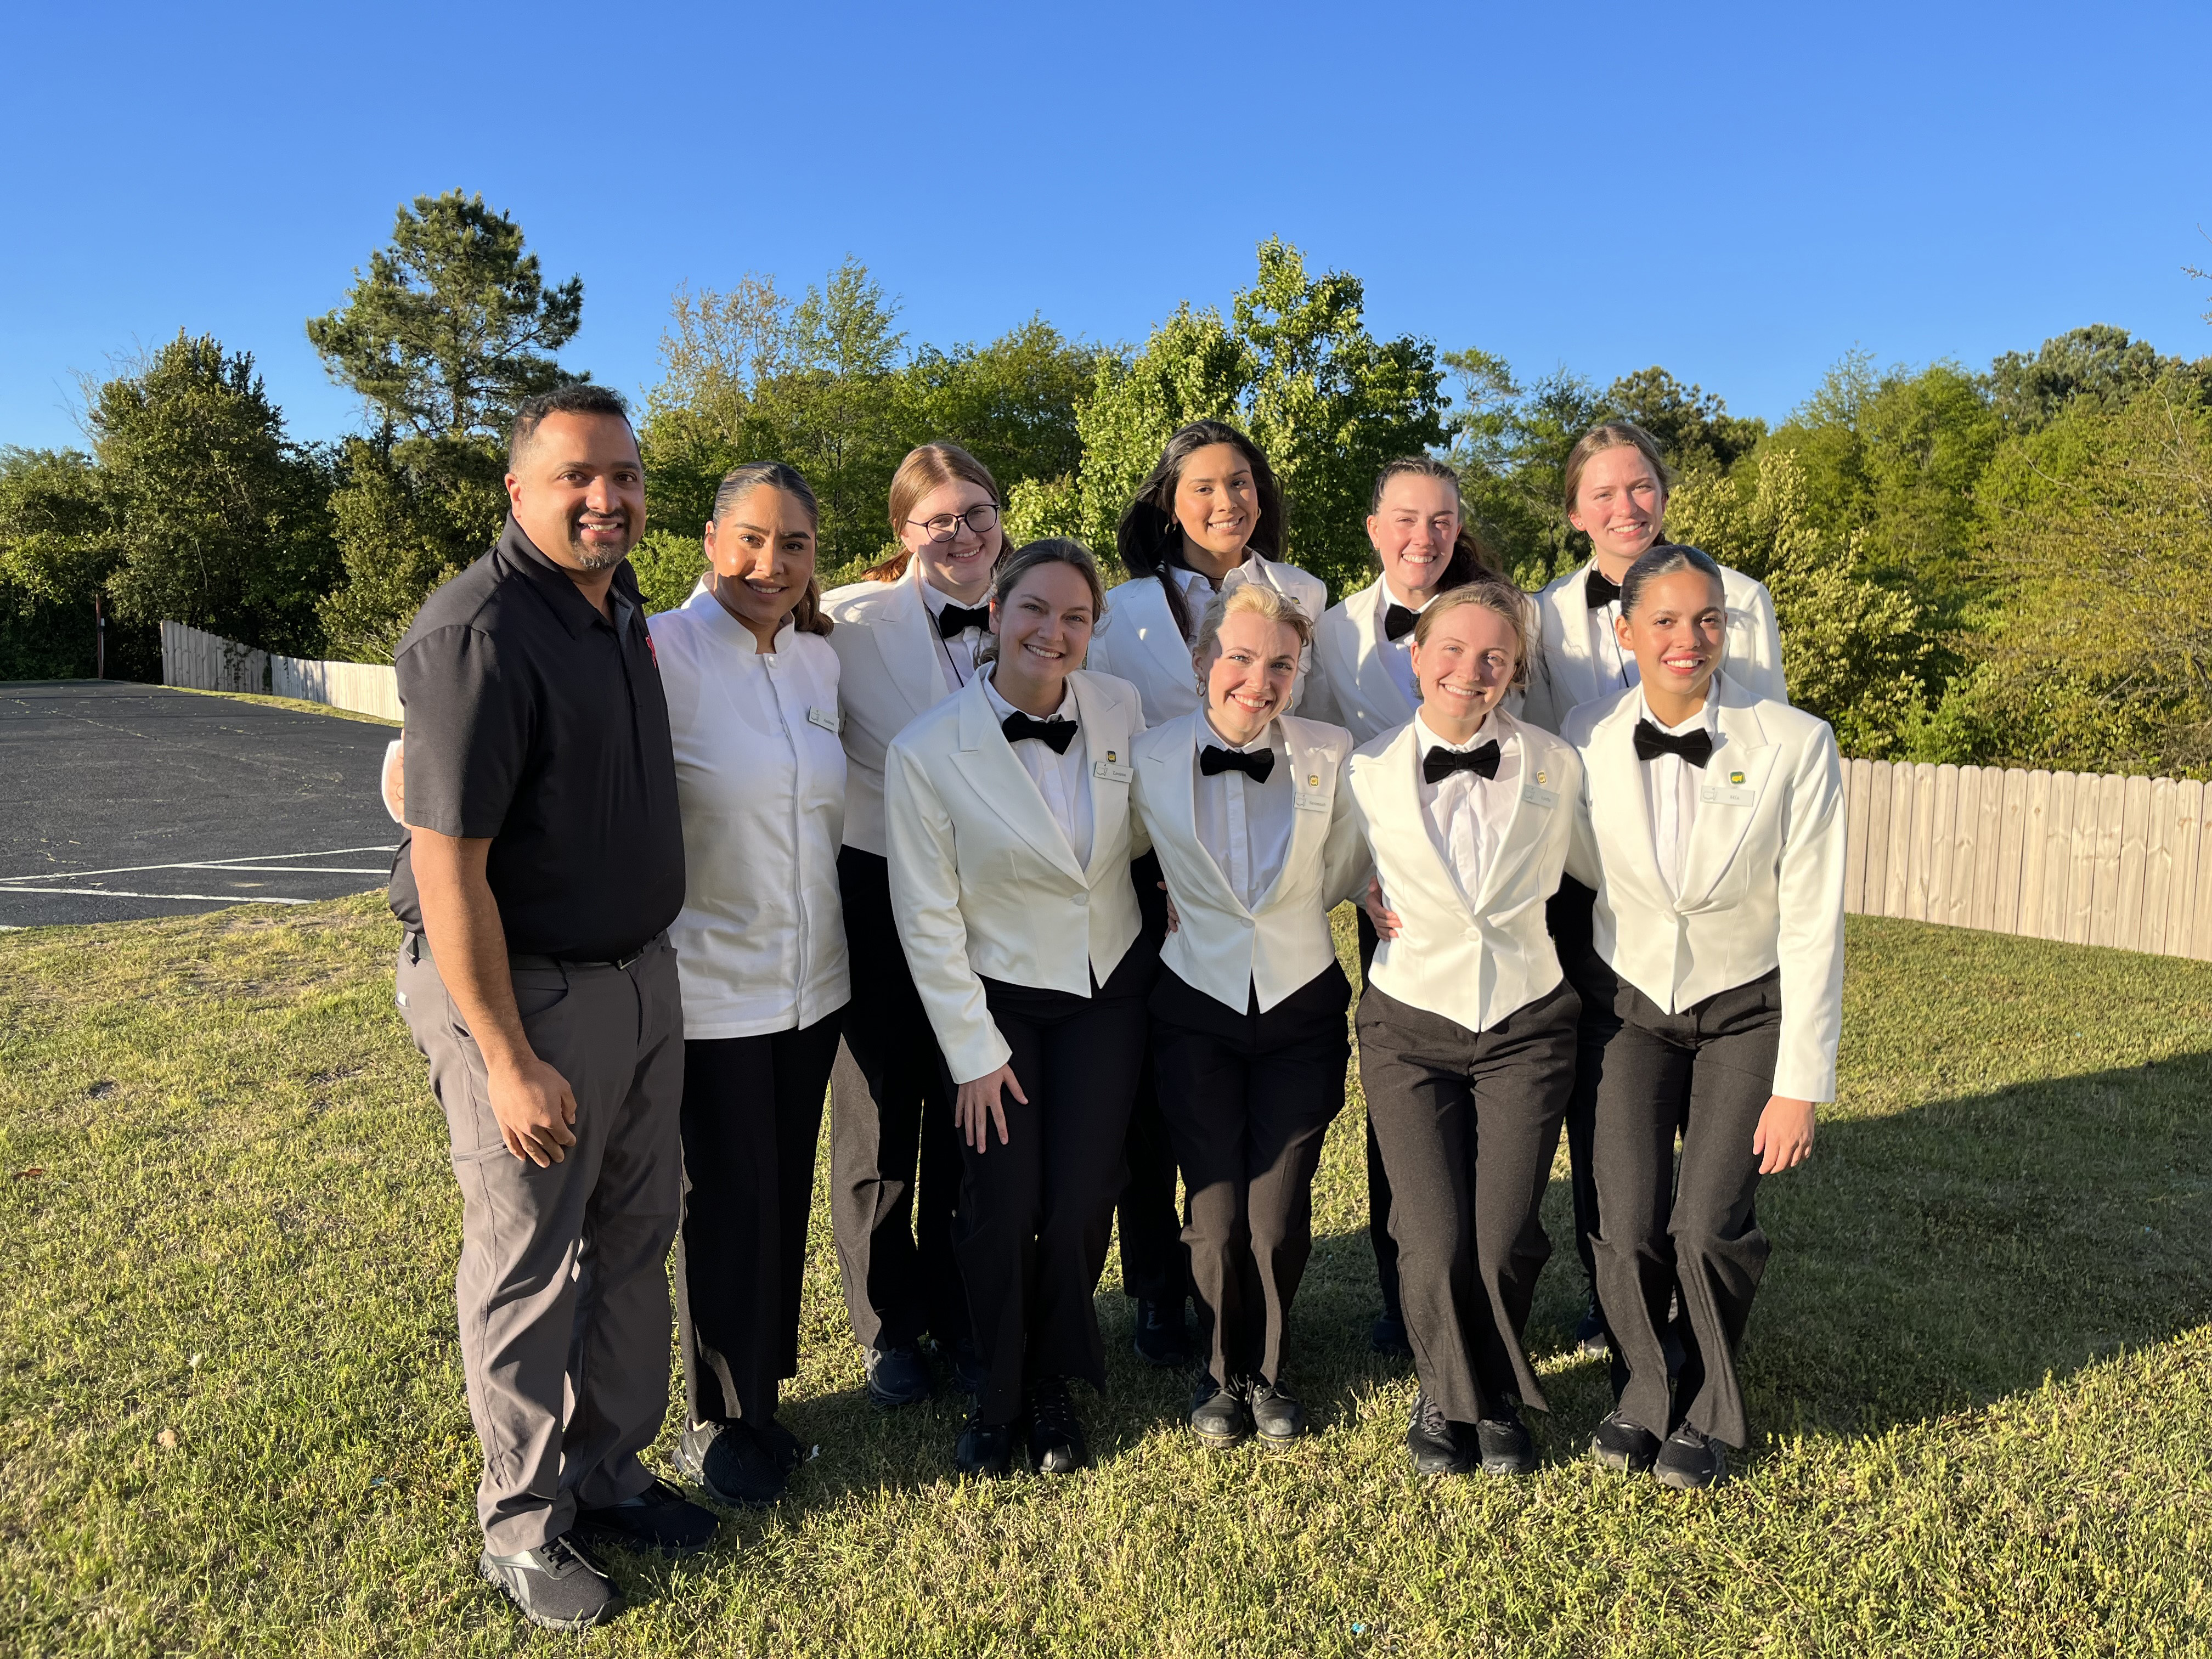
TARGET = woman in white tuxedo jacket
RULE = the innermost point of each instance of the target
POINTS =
(1363, 680)
(1615, 493)
(1208, 517)
(1257, 838)
(1466, 1028)
(1007, 808)
(906, 638)
(760, 779)
(1710, 826)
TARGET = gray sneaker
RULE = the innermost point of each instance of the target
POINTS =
(557, 1585)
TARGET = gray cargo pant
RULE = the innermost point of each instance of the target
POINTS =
(562, 1288)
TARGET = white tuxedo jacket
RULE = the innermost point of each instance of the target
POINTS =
(984, 884)
(888, 672)
(1763, 874)
(1138, 642)
(1472, 967)
(1218, 946)
(1565, 674)
(1351, 685)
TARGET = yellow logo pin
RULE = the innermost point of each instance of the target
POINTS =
(1314, 780)
(1110, 757)
(1540, 777)
(1735, 777)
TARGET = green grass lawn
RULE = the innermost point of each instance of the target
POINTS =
(231, 1418)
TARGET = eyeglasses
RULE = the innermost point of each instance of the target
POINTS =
(980, 519)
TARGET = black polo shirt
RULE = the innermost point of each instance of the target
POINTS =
(535, 722)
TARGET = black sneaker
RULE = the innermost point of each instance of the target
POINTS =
(1217, 1417)
(1162, 1335)
(1388, 1336)
(1277, 1417)
(659, 1518)
(1623, 1445)
(984, 1448)
(783, 1444)
(557, 1585)
(897, 1376)
(1055, 1439)
(1592, 1334)
(732, 1463)
(1689, 1461)
(1505, 1444)
(970, 1373)
(1434, 1441)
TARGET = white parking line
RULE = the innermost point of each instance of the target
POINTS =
(238, 863)
(111, 892)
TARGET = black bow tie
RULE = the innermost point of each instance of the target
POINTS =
(1055, 735)
(1398, 622)
(1599, 589)
(1254, 764)
(1440, 762)
(1695, 747)
(955, 618)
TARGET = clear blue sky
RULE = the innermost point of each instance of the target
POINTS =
(1740, 194)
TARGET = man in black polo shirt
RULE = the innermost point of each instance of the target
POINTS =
(542, 864)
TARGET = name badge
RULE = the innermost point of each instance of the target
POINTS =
(1536, 797)
(1305, 801)
(1721, 794)
(831, 721)
(1112, 771)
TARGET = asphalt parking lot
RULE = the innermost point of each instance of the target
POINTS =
(120, 800)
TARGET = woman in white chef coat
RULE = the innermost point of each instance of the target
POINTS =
(1258, 840)
(760, 777)
(1711, 828)
(1208, 517)
(1466, 1027)
(907, 634)
(1007, 811)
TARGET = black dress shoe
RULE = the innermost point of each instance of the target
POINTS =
(1434, 1441)
(732, 1463)
(1163, 1337)
(897, 1377)
(1277, 1417)
(1623, 1445)
(659, 1518)
(1689, 1461)
(985, 1449)
(1505, 1444)
(1388, 1337)
(1055, 1439)
(1217, 1417)
(1592, 1335)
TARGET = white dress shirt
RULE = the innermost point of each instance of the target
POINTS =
(1397, 655)
(956, 657)
(1064, 780)
(760, 782)
(1671, 786)
(1246, 826)
(1465, 813)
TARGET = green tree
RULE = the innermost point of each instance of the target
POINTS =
(1694, 430)
(1511, 445)
(453, 326)
(2099, 362)
(57, 552)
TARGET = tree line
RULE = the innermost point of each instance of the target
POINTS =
(2005, 566)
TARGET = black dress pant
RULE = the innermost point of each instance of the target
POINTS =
(1248, 1097)
(752, 1115)
(1378, 1177)
(1155, 1262)
(890, 1113)
(1469, 1121)
(1568, 915)
(1710, 1070)
(1035, 1211)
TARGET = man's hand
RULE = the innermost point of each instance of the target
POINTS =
(536, 1110)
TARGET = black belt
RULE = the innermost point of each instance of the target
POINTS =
(519, 962)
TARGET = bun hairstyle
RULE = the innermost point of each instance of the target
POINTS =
(927, 467)
(1494, 594)
(740, 482)
(1471, 556)
(1013, 567)
(1258, 599)
(1665, 560)
(1612, 434)
(1150, 540)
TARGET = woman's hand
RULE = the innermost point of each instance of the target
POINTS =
(980, 1104)
(1385, 920)
(1174, 921)
(1784, 1139)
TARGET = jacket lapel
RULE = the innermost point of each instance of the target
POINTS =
(987, 760)
(1616, 786)
(1157, 631)
(1720, 826)
(1404, 817)
(1308, 825)
(1574, 669)
(1106, 742)
(1173, 781)
(1521, 823)
(908, 644)
(1376, 682)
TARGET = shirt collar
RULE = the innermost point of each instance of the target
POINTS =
(1709, 717)
(1000, 708)
(1495, 726)
(935, 599)
(1269, 737)
(715, 617)
(577, 613)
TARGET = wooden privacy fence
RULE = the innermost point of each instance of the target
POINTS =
(208, 662)
(2078, 856)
